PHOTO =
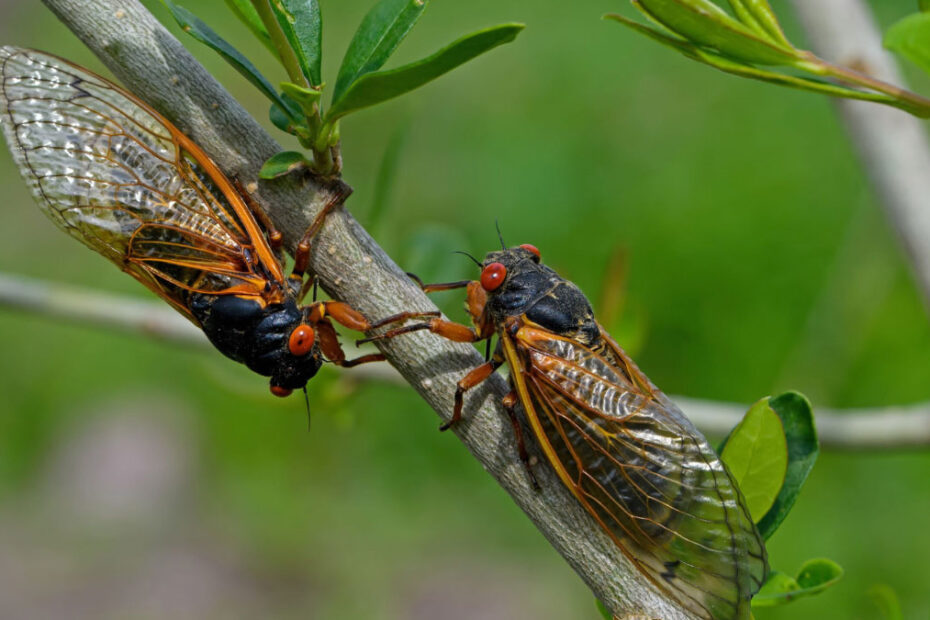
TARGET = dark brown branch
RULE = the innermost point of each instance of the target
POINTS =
(351, 267)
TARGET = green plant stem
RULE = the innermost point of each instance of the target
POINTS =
(285, 53)
(322, 158)
(917, 104)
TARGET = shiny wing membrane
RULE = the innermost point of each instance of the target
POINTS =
(117, 176)
(639, 466)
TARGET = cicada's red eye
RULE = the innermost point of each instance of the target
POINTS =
(493, 276)
(531, 248)
(277, 390)
(301, 340)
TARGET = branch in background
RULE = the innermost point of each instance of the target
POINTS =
(77, 305)
(844, 429)
(881, 428)
(351, 267)
(891, 145)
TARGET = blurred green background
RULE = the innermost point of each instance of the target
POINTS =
(140, 479)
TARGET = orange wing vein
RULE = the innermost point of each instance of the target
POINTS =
(120, 178)
(639, 466)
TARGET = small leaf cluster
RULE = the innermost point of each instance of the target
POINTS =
(770, 454)
(749, 41)
(292, 30)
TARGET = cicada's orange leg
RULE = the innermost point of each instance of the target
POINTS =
(318, 315)
(275, 238)
(472, 379)
(510, 402)
(447, 329)
(302, 253)
(432, 288)
(475, 303)
(483, 330)
(332, 350)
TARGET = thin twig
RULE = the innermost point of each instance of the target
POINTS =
(78, 305)
(351, 267)
(884, 428)
(891, 144)
(843, 429)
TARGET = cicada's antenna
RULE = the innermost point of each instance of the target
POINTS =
(476, 261)
(307, 402)
(497, 225)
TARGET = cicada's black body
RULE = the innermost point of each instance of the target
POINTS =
(257, 335)
(545, 297)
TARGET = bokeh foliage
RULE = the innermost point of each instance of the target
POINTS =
(757, 260)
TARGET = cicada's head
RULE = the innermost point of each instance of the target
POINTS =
(286, 349)
(514, 279)
(518, 284)
(275, 340)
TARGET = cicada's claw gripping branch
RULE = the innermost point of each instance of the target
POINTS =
(353, 268)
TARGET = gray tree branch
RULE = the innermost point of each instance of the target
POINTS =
(883, 428)
(891, 144)
(350, 266)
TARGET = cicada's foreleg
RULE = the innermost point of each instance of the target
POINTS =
(443, 286)
(475, 304)
(332, 350)
(447, 329)
(510, 402)
(318, 315)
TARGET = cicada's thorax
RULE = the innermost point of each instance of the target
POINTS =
(541, 296)
(257, 334)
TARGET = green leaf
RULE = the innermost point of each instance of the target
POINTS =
(776, 590)
(374, 88)
(763, 75)
(247, 14)
(304, 97)
(603, 610)
(794, 411)
(886, 600)
(280, 119)
(818, 574)
(192, 25)
(923, 5)
(910, 37)
(757, 454)
(283, 163)
(302, 24)
(814, 577)
(379, 34)
(706, 24)
(758, 15)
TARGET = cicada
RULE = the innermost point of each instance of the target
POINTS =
(119, 177)
(624, 450)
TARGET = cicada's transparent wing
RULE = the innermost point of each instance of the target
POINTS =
(120, 178)
(644, 472)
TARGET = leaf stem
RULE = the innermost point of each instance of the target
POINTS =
(285, 53)
(914, 103)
